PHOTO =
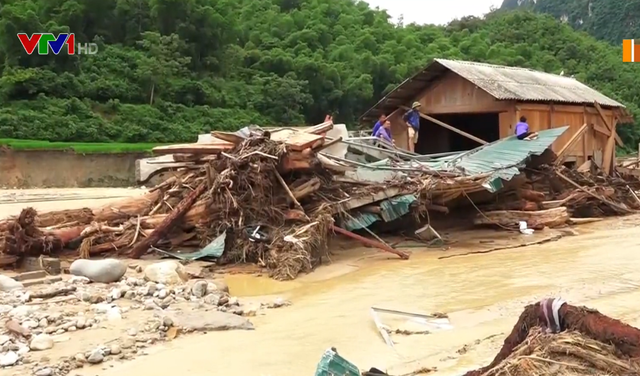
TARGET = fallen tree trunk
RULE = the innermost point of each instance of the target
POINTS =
(535, 219)
(521, 204)
(530, 195)
(168, 223)
(127, 208)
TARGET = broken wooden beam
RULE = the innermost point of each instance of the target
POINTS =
(168, 223)
(451, 128)
(535, 219)
(372, 243)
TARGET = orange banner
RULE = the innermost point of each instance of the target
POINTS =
(631, 51)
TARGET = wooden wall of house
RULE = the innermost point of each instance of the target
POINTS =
(453, 94)
(547, 116)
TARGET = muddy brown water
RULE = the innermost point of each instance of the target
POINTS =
(483, 295)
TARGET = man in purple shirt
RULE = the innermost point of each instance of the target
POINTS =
(384, 132)
(522, 130)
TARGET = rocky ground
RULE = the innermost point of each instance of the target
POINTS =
(50, 330)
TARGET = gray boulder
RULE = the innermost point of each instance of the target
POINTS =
(9, 284)
(102, 271)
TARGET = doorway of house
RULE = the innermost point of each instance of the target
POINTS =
(434, 138)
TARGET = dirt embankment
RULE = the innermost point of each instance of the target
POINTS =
(62, 169)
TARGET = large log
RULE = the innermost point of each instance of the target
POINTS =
(127, 208)
(521, 204)
(531, 195)
(535, 219)
(167, 224)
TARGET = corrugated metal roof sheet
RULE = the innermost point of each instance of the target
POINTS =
(510, 83)
(503, 158)
(503, 83)
(396, 207)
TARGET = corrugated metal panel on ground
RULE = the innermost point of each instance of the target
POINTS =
(360, 221)
(396, 207)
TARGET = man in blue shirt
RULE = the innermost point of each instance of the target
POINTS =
(412, 120)
(379, 124)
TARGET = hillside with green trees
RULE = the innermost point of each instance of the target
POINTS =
(168, 70)
(608, 20)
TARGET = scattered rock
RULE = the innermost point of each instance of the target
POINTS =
(221, 285)
(115, 349)
(199, 289)
(80, 358)
(41, 342)
(9, 284)
(103, 271)
(96, 356)
(44, 372)
(211, 321)
(81, 323)
(212, 299)
(8, 359)
(166, 272)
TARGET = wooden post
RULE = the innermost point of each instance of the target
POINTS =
(569, 145)
(586, 135)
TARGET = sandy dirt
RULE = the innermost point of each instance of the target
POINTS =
(482, 293)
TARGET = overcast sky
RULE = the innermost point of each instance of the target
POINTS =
(434, 11)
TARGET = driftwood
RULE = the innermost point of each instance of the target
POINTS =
(535, 219)
(168, 223)
(520, 204)
(52, 292)
(383, 247)
(531, 195)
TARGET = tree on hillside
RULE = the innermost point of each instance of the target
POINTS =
(167, 70)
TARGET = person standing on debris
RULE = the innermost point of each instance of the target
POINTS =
(379, 124)
(412, 119)
(384, 132)
(522, 130)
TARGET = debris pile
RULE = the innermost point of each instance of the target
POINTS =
(275, 197)
(258, 198)
(589, 343)
(553, 196)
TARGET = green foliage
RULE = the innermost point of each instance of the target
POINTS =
(85, 148)
(167, 70)
(608, 20)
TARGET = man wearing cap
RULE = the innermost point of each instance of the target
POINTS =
(412, 119)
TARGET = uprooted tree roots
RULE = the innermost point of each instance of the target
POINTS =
(593, 344)
(240, 194)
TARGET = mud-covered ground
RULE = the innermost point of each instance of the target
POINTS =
(483, 294)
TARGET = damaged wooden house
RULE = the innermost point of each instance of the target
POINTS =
(466, 104)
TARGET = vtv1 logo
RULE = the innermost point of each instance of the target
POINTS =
(47, 41)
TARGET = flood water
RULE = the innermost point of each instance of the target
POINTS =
(483, 295)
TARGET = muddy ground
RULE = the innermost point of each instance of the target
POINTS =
(483, 295)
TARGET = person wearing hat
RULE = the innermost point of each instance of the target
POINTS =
(412, 119)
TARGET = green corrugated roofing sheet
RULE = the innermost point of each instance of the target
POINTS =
(396, 207)
(391, 209)
(504, 157)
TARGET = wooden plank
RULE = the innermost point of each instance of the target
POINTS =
(568, 146)
(320, 128)
(585, 120)
(449, 127)
(210, 148)
(228, 137)
(608, 124)
(301, 141)
(480, 108)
